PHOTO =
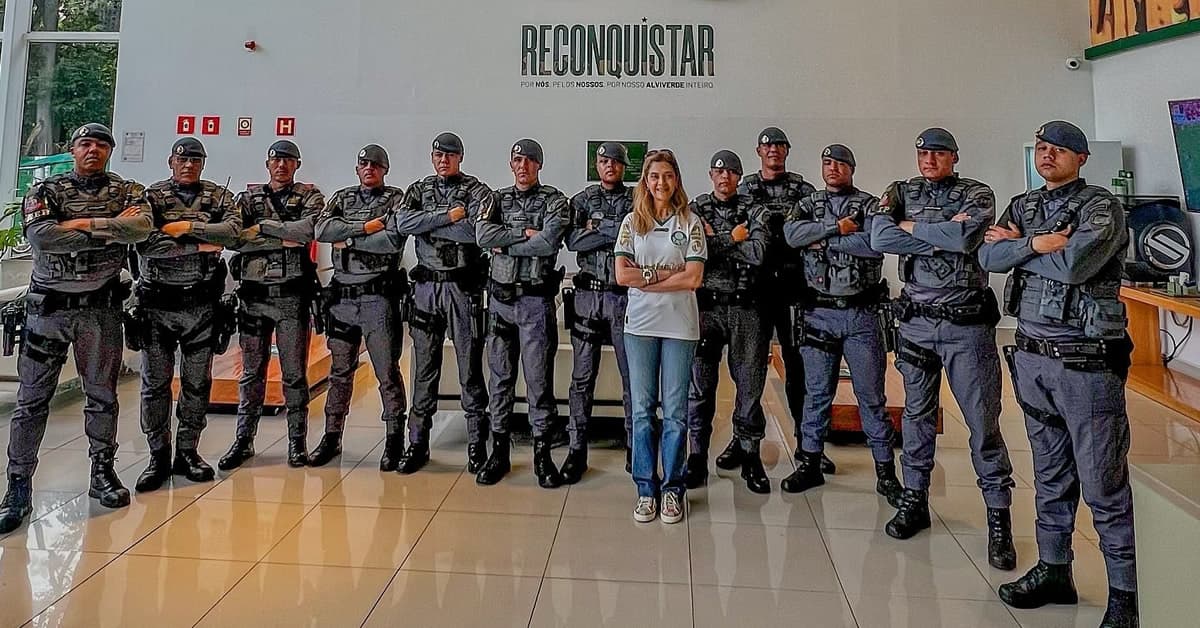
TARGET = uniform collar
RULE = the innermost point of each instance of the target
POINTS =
(1065, 191)
(849, 191)
(453, 179)
(94, 181)
(367, 192)
(530, 192)
(618, 189)
(943, 183)
(189, 187)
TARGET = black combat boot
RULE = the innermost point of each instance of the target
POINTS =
(239, 452)
(574, 466)
(912, 517)
(329, 448)
(190, 465)
(297, 452)
(105, 484)
(753, 472)
(1001, 553)
(157, 472)
(393, 451)
(416, 457)
(886, 482)
(807, 474)
(477, 456)
(732, 457)
(543, 465)
(17, 504)
(695, 471)
(827, 466)
(498, 465)
(1042, 585)
(1122, 609)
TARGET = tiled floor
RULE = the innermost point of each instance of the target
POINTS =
(348, 546)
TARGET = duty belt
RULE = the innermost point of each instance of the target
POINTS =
(868, 298)
(170, 297)
(1083, 354)
(111, 294)
(292, 288)
(708, 299)
(981, 310)
(380, 285)
(424, 274)
(584, 281)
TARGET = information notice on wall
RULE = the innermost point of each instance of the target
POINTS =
(1185, 117)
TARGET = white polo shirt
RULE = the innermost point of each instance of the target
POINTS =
(671, 244)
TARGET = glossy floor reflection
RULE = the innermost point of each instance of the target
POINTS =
(348, 546)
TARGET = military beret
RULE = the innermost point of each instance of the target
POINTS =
(726, 160)
(283, 149)
(773, 135)
(188, 147)
(528, 148)
(840, 152)
(615, 151)
(448, 143)
(937, 139)
(96, 131)
(1064, 135)
(375, 154)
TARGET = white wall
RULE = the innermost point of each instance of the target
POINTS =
(871, 74)
(1132, 89)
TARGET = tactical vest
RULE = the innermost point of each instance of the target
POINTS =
(604, 206)
(521, 211)
(778, 199)
(437, 253)
(184, 270)
(722, 273)
(1093, 307)
(836, 273)
(943, 269)
(89, 266)
(277, 265)
(349, 261)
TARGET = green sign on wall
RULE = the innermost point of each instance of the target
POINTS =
(637, 155)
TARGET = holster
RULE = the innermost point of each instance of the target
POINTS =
(820, 340)
(916, 355)
(137, 327)
(501, 328)
(889, 328)
(12, 316)
(225, 320)
(337, 330)
(1041, 416)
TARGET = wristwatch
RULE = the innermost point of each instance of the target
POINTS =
(648, 275)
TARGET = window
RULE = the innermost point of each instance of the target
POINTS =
(78, 16)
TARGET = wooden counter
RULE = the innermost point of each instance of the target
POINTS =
(1148, 375)
(227, 369)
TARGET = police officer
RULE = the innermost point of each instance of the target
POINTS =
(440, 213)
(729, 316)
(778, 191)
(182, 280)
(844, 276)
(362, 302)
(523, 229)
(948, 317)
(276, 290)
(599, 303)
(80, 225)
(1065, 245)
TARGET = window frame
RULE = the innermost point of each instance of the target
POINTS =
(15, 41)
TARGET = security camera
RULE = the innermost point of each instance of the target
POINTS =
(1073, 63)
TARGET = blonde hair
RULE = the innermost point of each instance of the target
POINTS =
(643, 202)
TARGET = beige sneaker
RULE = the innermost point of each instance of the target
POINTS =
(672, 508)
(645, 510)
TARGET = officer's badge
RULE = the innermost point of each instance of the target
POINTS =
(362, 154)
(678, 238)
(600, 151)
(1040, 132)
(82, 132)
(271, 153)
(178, 150)
(720, 163)
(766, 139)
(516, 149)
(920, 142)
(827, 153)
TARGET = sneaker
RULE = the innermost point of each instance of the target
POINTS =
(672, 508)
(645, 510)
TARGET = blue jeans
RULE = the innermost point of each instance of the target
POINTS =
(659, 365)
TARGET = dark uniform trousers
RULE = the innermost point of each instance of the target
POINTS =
(191, 331)
(525, 329)
(1080, 440)
(447, 309)
(288, 318)
(742, 329)
(98, 340)
(608, 307)
(371, 319)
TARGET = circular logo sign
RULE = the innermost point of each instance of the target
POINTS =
(1166, 246)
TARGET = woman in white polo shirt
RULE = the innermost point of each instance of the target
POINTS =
(661, 250)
